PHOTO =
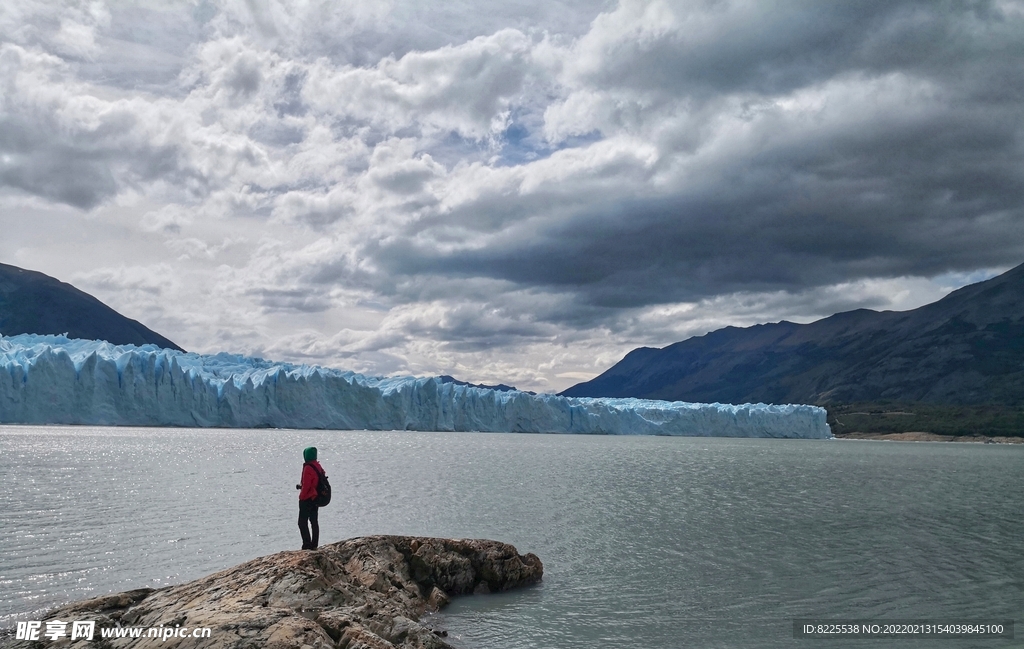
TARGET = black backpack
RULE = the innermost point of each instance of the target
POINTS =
(323, 489)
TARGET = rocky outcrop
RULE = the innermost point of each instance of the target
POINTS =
(364, 593)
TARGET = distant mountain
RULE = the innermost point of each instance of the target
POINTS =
(501, 387)
(967, 348)
(34, 303)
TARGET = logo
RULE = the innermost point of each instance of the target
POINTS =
(55, 629)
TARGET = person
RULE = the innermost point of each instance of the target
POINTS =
(308, 511)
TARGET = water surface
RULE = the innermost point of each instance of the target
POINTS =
(653, 542)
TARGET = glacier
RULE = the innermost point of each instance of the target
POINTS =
(57, 380)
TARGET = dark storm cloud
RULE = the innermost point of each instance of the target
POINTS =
(40, 157)
(52, 170)
(930, 181)
(772, 48)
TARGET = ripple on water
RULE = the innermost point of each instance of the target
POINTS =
(652, 542)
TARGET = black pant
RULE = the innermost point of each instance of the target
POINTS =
(308, 511)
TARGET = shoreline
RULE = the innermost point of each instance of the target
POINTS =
(923, 436)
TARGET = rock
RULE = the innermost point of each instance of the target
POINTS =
(363, 593)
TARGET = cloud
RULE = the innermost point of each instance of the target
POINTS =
(518, 194)
(60, 141)
(464, 89)
(799, 163)
(68, 29)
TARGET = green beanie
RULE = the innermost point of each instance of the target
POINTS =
(309, 454)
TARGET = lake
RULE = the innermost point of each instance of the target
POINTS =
(655, 542)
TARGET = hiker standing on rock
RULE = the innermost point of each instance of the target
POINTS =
(311, 498)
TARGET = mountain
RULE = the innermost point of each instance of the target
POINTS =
(967, 348)
(34, 303)
(501, 387)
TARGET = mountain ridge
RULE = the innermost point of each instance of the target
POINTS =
(34, 303)
(966, 348)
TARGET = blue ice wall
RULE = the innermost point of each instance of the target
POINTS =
(54, 380)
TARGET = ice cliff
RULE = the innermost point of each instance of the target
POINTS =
(56, 380)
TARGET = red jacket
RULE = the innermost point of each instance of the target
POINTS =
(310, 480)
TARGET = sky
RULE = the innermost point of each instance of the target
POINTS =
(516, 192)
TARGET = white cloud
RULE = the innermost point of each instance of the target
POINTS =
(466, 89)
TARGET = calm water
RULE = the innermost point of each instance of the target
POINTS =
(648, 542)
